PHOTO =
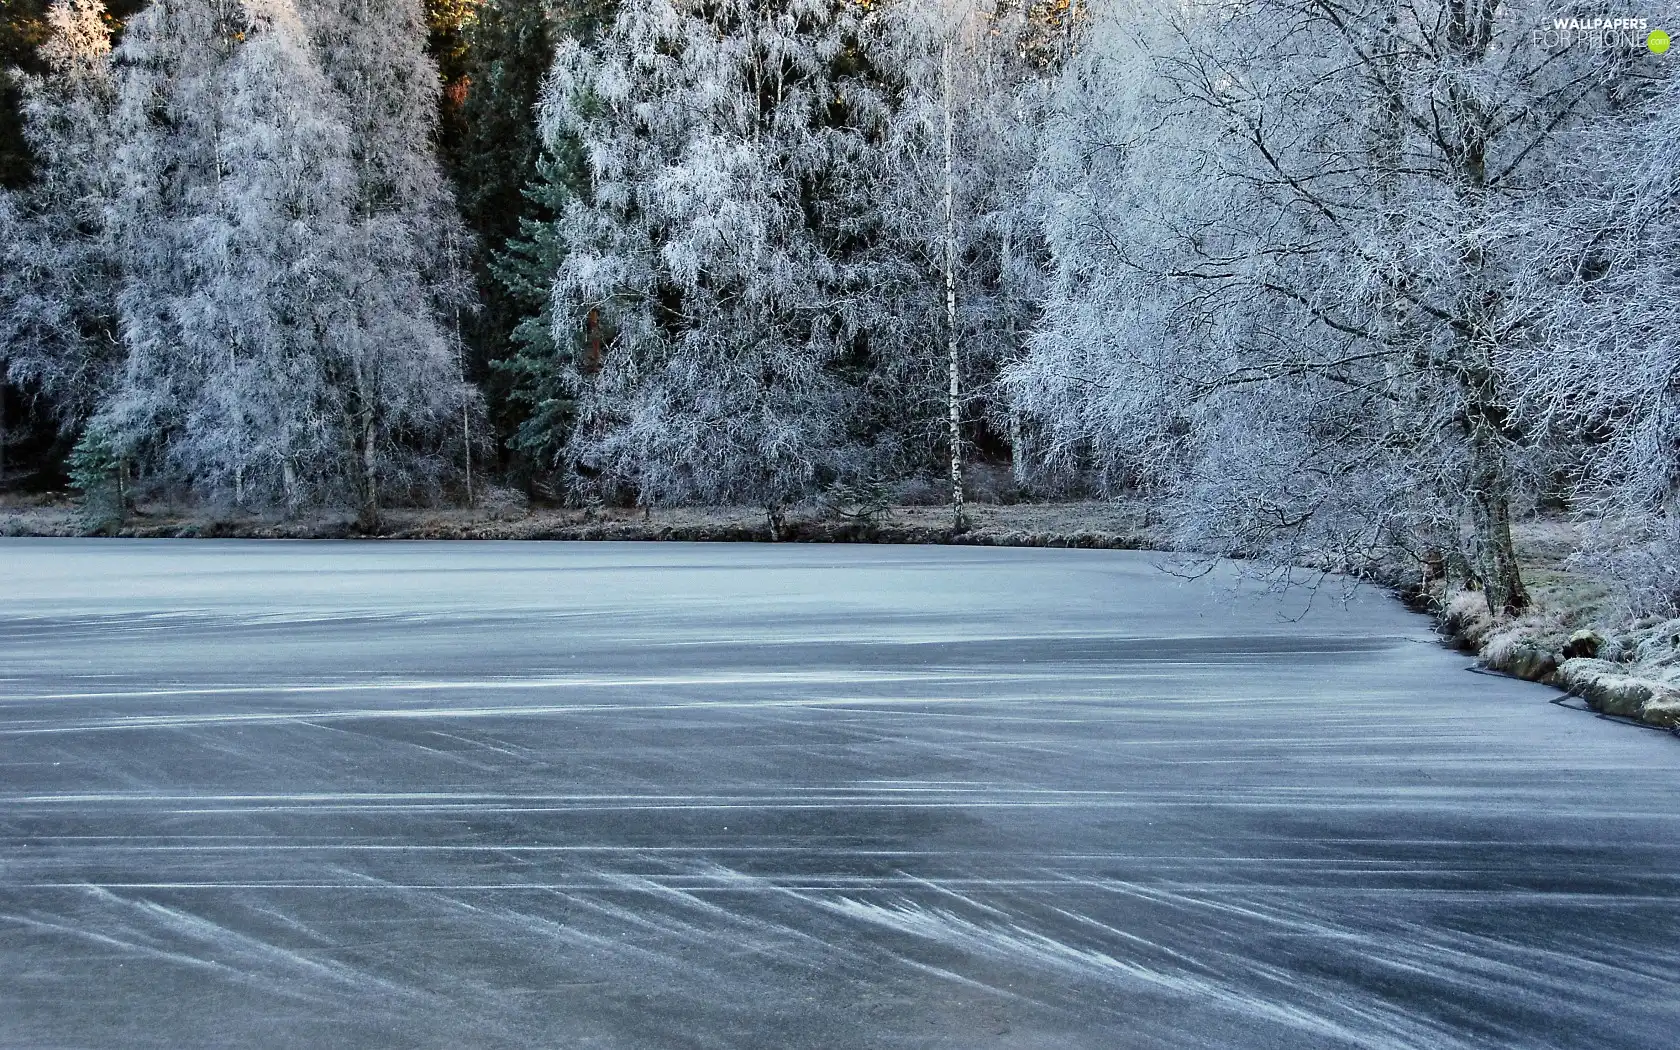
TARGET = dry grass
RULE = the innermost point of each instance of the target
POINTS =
(1087, 524)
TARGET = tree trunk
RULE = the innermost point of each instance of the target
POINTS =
(1490, 501)
(466, 418)
(368, 518)
(1485, 416)
(958, 523)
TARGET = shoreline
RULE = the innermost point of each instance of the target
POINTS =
(1105, 526)
(1554, 645)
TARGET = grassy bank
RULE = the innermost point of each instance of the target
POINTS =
(1092, 525)
(1577, 636)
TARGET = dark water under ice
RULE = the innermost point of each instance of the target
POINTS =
(619, 796)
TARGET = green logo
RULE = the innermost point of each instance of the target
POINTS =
(1657, 41)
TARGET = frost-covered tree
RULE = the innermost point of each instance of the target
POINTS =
(1603, 376)
(707, 290)
(401, 366)
(287, 248)
(237, 191)
(960, 222)
(58, 336)
(23, 28)
(1291, 244)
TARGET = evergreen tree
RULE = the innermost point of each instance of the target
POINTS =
(518, 337)
(543, 344)
(492, 154)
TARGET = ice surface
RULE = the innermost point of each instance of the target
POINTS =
(621, 796)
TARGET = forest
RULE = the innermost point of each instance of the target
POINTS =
(1351, 284)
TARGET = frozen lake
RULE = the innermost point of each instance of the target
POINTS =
(616, 796)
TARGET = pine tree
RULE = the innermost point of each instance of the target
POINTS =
(544, 345)
(505, 182)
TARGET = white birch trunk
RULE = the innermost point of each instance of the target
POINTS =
(955, 405)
